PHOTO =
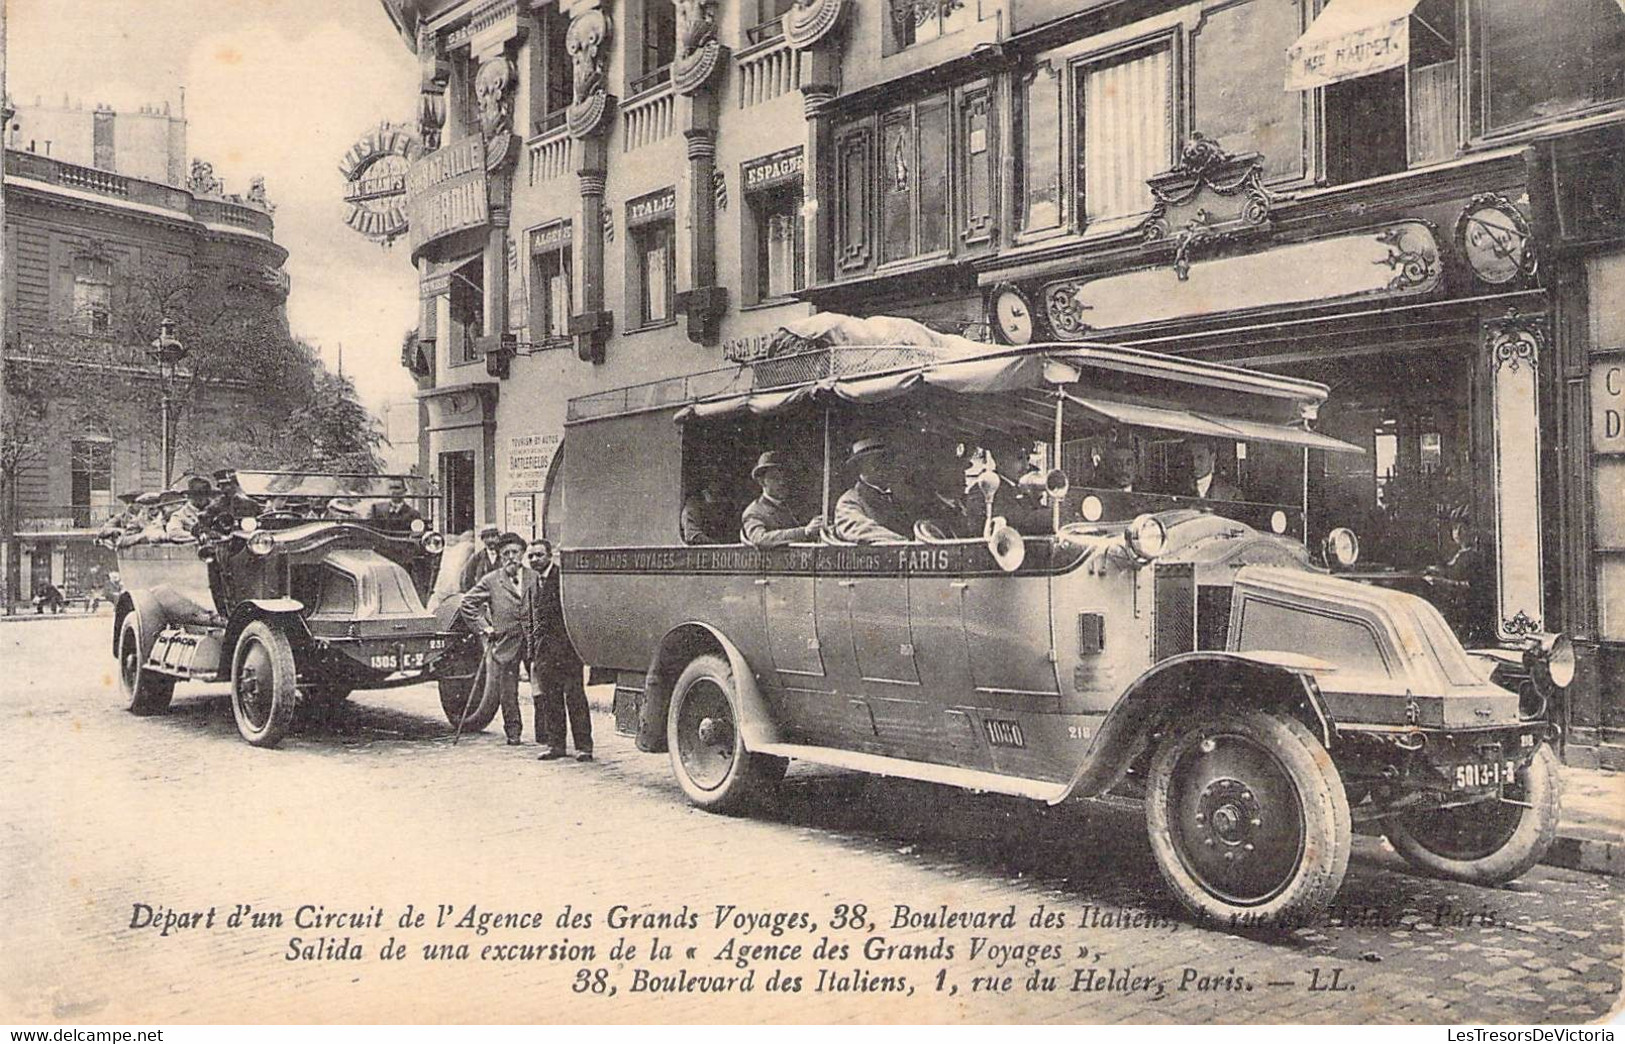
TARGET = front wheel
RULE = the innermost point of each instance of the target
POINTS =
(1248, 819)
(463, 699)
(1491, 842)
(145, 692)
(263, 684)
(708, 754)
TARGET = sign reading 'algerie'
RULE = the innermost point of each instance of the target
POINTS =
(445, 192)
(375, 181)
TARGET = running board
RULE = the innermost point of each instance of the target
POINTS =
(878, 765)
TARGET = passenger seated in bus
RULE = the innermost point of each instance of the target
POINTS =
(230, 505)
(871, 512)
(145, 509)
(701, 521)
(394, 513)
(183, 521)
(1019, 507)
(943, 504)
(1119, 468)
(1203, 483)
(768, 520)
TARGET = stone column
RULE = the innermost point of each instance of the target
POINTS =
(702, 302)
(591, 326)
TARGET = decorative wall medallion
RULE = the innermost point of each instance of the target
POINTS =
(699, 52)
(1515, 340)
(1064, 307)
(1413, 256)
(588, 40)
(1207, 197)
(1520, 624)
(1494, 238)
(809, 21)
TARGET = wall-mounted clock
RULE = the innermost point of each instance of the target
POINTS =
(1012, 315)
(1494, 238)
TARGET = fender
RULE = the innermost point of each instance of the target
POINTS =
(1192, 681)
(149, 619)
(680, 645)
(251, 609)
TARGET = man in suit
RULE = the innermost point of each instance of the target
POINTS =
(768, 521)
(555, 669)
(395, 513)
(872, 512)
(483, 560)
(1204, 483)
(1018, 507)
(231, 505)
(497, 608)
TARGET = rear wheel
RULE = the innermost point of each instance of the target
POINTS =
(145, 692)
(263, 686)
(463, 699)
(708, 754)
(1491, 842)
(1248, 819)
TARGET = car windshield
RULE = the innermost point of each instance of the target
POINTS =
(268, 485)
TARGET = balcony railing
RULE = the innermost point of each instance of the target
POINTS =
(119, 187)
(550, 156)
(767, 73)
(647, 119)
(772, 29)
(649, 80)
(60, 518)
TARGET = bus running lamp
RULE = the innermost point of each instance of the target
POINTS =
(1278, 522)
(1092, 508)
(249, 524)
(417, 525)
(1147, 537)
(1341, 548)
(261, 542)
(433, 543)
(1550, 658)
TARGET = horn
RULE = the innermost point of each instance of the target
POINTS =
(1056, 484)
(988, 483)
(1009, 550)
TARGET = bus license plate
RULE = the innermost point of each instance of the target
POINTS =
(1477, 774)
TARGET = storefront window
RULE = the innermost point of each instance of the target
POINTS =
(914, 180)
(1041, 149)
(550, 271)
(778, 241)
(1125, 130)
(467, 311)
(1537, 63)
(656, 272)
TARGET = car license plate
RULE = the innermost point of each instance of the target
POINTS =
(1476, 774)
(384, 662)
(405, 660)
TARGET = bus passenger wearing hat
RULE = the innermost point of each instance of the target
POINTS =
(183, 524)
(142, 514)
(497, 607)
(871, 512)
(483, 560)
(1017, 506)
(394, 513)
(768, 521)
(230, 505)
(1204, 483)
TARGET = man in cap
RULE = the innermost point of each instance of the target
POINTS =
(1204, 483)
(1018, 507)
(871, 512)
(394, 513)
(768, 520)
(230, 505)
(555, 668)
(183, 523)
(483, 560)
(119, 521)
(497, 607)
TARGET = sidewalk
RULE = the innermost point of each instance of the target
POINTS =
(1591, 835)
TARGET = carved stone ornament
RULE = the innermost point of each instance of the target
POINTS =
(202, 182)
(1207, 197)
(809, 21)
(493, 94)
(699, 52)
(1495, 241)
(434, 72)
(1515, 340)
(1520, 624)
(588, 40)
(1064, 307)
(1412, 255)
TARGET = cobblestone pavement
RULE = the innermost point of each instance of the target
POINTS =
(374, 808)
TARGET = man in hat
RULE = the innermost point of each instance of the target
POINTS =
(701, 521)
(145, 511)
(484, 560)
(119, 521)
(555, 668)
(871, 512)
(768, 520)
(497, 607)
(183, 523)
(230, 505)
(1204, 484)
(1017, 506)
(394, 513)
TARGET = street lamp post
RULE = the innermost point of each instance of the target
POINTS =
(167, 351)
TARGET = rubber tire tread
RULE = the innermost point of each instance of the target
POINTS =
(284, 676)
(752, 775)
(152, 691)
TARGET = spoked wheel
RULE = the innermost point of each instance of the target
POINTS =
(145, 692)
(1491, 842)
(1248, 819)
(263, 684)
(708, 753)
(463, 699)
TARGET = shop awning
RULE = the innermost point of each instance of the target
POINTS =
(1209, 425)
(1351, 38)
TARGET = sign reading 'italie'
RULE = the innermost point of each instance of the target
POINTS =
(375, 182)
(445, 192)
(653, 207)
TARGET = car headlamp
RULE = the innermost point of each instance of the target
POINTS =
(1147, 537)
(1550, 658)
(417, 525)
(1278, 522)
(433, 543)
(1341, 547)
(261, 542)
(249, 524)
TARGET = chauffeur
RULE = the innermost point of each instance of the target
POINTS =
(768, 521)
(395, 513)
(870, 512)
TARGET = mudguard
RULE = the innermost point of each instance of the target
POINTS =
(1193, 681)
(150, 619)
(679, 645)
(251, 609)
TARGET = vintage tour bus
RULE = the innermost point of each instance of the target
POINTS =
(1059, 572)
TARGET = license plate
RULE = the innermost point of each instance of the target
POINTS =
(384, 662)
(1476, 774)
(1004, 733)
(404, 661)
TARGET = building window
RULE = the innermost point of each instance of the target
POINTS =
(913, 170)
(768, 22)
(93, 295)
(1040, 116)
(550, 72)
(1125, 130)
(550, 274)
(652, 266)
(1537, 63)
(467, 312)
(919, 21)
(656, 45)
(774, 248)
(978, 165)
(457, 490)
(92, 481)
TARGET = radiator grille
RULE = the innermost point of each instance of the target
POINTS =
(1213, 616)
(1174, 593)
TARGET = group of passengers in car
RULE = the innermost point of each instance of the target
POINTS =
(214, 508)
(882, 507)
